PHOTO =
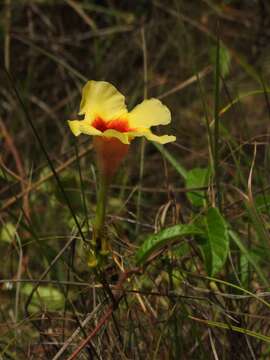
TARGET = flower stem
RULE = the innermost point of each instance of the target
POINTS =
(101, 204)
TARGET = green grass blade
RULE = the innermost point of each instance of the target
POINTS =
(233, 328)
(43, 149)
(250, 259)
(216, 124)
(171, 159)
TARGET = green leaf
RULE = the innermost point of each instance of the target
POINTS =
(8, 232)
(224, 59)
(45, 296)
(217, 246)
(197, 178)
(164, 237)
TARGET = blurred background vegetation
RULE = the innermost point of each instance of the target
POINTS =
(199, 288)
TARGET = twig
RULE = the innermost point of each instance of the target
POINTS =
(78, 9)
(44, 274)
(7, 20)
(123, 277)
(207, 70)
(142, 147)
(19, 166)
(76, 332)
(37, 184)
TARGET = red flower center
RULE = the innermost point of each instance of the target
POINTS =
(120, 125)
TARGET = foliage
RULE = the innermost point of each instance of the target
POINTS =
(188, 222)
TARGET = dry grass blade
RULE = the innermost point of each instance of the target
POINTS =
(53, 305)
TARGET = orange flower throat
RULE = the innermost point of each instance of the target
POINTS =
(120, 125)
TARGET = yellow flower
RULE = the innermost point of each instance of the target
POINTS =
(106, 115)
(106, 118)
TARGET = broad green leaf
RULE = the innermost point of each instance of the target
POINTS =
(197, 178)
(217, 246)
(164, 237)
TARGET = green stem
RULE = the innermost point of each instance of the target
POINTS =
(101, 204)
(216, 124)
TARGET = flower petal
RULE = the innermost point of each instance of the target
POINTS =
(82, 127)
(149, 113)
(163, 139)
(102, 99)
(123, 137)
